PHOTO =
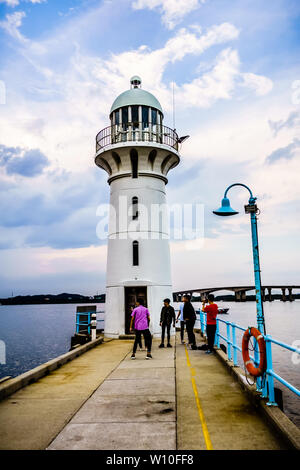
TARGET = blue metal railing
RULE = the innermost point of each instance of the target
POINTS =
(86, 321)
(265, 387)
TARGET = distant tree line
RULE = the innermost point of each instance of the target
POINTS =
(52, 299)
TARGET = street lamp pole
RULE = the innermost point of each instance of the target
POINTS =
(250, 208)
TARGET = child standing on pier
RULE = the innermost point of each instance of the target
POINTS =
(140, 317)
(211, 322)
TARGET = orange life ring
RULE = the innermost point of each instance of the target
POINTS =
(255, 371)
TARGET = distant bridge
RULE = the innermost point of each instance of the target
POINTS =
(240, 292)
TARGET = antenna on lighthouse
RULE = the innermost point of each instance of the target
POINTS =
(173, 103)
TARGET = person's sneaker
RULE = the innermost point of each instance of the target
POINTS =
(161, 345)
(194, 347)
(182, 342)
(132, 356)
(208, 351)
(148, 356)
(169, 345)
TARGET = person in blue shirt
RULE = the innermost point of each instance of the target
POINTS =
(180, 315)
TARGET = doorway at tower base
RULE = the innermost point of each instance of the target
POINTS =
(120, 298)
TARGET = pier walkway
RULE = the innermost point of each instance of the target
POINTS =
(180, 399)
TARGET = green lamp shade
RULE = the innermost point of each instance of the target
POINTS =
(225, 209)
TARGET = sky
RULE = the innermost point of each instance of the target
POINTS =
(235, 69)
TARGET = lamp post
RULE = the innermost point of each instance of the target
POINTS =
(250, 208)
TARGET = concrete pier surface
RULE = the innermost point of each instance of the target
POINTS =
(181, 399)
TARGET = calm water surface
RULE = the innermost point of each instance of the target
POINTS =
(34, 334)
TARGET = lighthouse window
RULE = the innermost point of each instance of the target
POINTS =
(134, 163)
(135, 208)
(117, 117)
(135, 253)
(145, 116)
(135, 115)
(154, 116)
(125, 117)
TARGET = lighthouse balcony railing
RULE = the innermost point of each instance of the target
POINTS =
(136, 132)
(264, 386)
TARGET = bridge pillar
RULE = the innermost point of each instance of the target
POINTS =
(238, 296)
(203, 297)
(291, 298)
(243, 296)
(283, 298)
(270, 294)
(263, 293)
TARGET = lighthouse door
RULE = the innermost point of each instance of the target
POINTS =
(131, 296)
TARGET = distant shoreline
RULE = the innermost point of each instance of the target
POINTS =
(46, 299)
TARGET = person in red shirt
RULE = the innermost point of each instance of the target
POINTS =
(211, 322)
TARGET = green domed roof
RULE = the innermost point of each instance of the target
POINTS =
(136, 96)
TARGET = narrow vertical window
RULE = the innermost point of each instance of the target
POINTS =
(135, 116)
(134, 163)
(154, 116)
(154, 120)
(135, 253)
(145, 116)
(135, 212)
(125, 118)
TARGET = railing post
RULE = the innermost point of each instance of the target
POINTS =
(228, 342)
(235, 363)
(201, 321)
(93, 326)
(217, 337)
(256, 361)
(270, 378)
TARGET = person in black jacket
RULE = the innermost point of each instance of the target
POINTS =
(167, 317)
(189, 317)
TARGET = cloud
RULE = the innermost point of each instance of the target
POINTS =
(22, 162)
(220, 82)
(172, 11)
(14, 3)
(286, 153)
(10, 3)
(58, 210)
(216, 84)
(290, 122)
(68, 93)
(47, 270)
(12, 23)
(261, 85)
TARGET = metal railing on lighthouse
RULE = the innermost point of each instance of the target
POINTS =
(136, 132)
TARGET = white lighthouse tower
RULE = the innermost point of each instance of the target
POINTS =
(137, 151)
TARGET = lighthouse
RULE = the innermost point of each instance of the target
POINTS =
(137, 151)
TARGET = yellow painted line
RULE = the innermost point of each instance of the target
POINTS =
(206, 435)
